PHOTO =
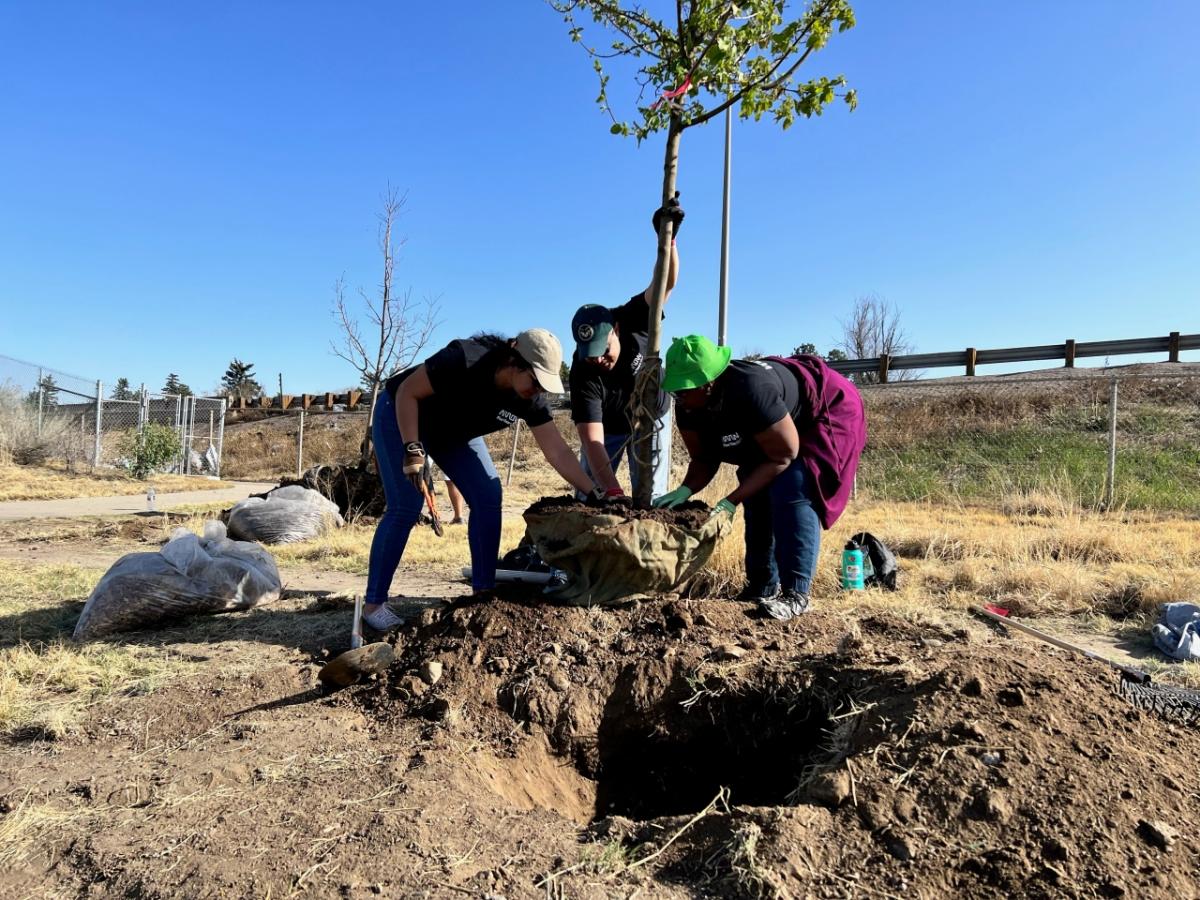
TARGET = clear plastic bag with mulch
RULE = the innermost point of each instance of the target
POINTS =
(285, 515)
(615, 552)
(190, 575)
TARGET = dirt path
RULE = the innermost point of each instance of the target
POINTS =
(130, 503)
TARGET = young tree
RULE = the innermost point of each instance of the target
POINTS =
(239, 380)
(47, 387)
(121, 390)
(714, 55)
(397, 328)
(175, 386)
(872, 330)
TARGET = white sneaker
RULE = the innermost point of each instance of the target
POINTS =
(382, 618)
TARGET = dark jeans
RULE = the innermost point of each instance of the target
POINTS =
(468, 465)
(783, 532)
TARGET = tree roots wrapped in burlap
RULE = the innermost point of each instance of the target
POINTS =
(610, 557)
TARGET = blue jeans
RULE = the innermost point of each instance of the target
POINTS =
(468, 465)
(783, 532)
(619, 445)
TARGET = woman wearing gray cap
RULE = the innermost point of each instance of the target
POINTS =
(442, 408)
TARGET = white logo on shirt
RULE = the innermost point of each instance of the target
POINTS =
(506, 417)
(731, 440)
(759, 362)
(635, 364)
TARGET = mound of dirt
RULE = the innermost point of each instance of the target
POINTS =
(708, 753)
(690, 515)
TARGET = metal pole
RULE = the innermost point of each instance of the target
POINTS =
(221, 436)
(1110, 492)
(191, 432)
(41, 394)
(99, 422)
(513, 456)
(210, 427)
(143, 408)
(723, 303)
(300, 447)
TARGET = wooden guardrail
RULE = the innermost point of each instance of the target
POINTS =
(1068, 351)
(350, 400)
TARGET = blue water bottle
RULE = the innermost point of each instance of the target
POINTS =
(852, 567)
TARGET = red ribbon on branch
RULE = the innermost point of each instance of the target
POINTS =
(675, 94)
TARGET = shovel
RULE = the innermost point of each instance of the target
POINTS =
(1135, 686)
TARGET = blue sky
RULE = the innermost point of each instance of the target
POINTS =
(184, 183)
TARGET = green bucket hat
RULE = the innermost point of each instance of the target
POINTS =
(693, 362)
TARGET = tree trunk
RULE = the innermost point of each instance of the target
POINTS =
(646, 396)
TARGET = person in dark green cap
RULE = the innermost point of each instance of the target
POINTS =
(795, 429)
(610, 346)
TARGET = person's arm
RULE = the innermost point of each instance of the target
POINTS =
(560, 457)
(414, 388)
(700, 470)
(672, 275)
(591, 438)
(781, 444)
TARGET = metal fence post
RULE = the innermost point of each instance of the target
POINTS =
(1110, 489)
(300, 447)
(41, 396)
(221, 435)
(99, 423)
(513, 456)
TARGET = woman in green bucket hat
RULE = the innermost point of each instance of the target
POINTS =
(795, 429)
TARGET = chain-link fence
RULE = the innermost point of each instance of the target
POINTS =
(1100, 440)
(47, 414)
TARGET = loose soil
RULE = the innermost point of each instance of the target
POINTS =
(690, 515)
(671, 749)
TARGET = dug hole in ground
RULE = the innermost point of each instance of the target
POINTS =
(673, 748)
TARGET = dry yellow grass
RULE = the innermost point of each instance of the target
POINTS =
(54, 482)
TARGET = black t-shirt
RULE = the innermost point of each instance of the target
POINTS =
(466, 402)
(748, 397)
(605, 397)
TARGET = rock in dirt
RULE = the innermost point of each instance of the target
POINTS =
(973, 688)
(831, 788)
(559, 680)
(728, 651)
(1157, 834)
(354, 665)
(901, 847)
(993, 806)
(413, 685)
(431, 672)
(1011, 697)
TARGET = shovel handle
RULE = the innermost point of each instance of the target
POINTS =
(433, 513)
(1128, 671)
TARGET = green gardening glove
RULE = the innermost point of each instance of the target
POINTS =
(672, 499)
(723, 507)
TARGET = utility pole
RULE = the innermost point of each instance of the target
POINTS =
(723, 303)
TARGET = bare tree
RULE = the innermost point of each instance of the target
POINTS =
(397, 328)
(872, 330)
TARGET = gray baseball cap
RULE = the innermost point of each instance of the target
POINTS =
(543, 352)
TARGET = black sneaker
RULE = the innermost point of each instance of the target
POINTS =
(787, 606)
(752, 594)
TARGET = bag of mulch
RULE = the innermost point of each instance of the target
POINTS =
(610, 556)
(1177, 633)
(190, 575)
(286, 514)
(879, 563)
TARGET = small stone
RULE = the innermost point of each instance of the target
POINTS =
(991, 759)
(413, 685)
(1011, 697)
(905, 808)
(428, 616)
(993, 806)
(547, 660)
(431, 671)
(559, 680)
(973, 688)
(931, 643)
(677, 617)
(831, 788)
(729, 651)
(477, 657)
(1158, 834)
(901, 848)
(1056, 850)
